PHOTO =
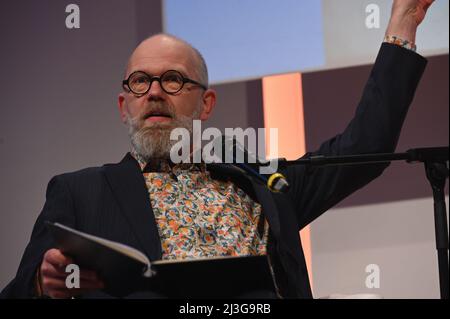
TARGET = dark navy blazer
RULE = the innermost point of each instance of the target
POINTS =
(112, 201)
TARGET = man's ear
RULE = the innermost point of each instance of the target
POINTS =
(122, 107)
(209, 102)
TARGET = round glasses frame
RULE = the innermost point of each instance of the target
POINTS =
(160, 79)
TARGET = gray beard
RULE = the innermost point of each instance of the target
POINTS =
(153, 142)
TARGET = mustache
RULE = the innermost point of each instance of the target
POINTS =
(161, 109)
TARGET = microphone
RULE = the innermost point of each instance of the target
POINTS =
(247, 161)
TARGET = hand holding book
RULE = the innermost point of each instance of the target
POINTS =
(51, 277)
(125, 270)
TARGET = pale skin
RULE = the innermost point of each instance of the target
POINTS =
(406, 16)
(155, 56)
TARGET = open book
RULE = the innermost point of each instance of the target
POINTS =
(126, 270)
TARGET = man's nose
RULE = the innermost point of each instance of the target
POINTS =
(155, 91)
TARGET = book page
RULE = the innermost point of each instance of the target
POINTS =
(121, 248)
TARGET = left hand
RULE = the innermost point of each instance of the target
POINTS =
(406, 16)
(414, 10)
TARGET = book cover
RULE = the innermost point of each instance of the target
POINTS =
(126, 270)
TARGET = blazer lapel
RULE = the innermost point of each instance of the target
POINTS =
(129, 189)
(269, 208)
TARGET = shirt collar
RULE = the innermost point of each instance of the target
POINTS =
(165, 165)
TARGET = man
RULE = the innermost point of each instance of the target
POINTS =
(176, 211)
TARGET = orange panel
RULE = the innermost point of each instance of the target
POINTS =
(283, 109)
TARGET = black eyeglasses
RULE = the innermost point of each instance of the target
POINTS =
(170, 81)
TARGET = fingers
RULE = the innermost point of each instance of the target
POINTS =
(49, 270)
(428, 4)
(57, 258)
(60, 284)
(55, 263)
(57, 287)
(53, 276)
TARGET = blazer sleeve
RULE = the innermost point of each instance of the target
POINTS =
(57, 208)
(375, 128)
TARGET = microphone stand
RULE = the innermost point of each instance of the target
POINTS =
(436, 167)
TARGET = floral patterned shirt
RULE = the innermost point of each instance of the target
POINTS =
(198, 216)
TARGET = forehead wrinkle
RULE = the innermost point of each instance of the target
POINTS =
(141, 65)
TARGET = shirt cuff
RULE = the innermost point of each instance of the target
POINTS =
(400, 42)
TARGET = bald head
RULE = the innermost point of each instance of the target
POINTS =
(159, 46)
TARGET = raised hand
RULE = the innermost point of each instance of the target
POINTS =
(406, 16)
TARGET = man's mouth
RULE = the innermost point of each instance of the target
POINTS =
(157, 117)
